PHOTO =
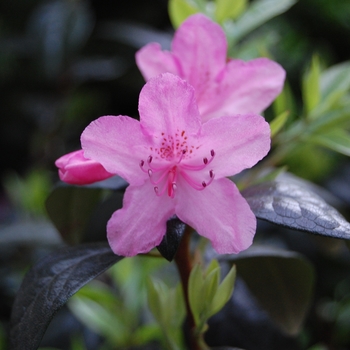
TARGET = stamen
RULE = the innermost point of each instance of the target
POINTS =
(206, 161)
(156, 182)
(195, 185)
(142, 163)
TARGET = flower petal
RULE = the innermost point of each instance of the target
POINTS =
(152, 61)
(239, 142)
(219, 213)
(75, 169)
(114, 142)
(201, 48)
(141, 224)
(167, 105)
(242, 88)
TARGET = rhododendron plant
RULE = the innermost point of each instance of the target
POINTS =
(222, 86)
(75, 169)
(176, 165)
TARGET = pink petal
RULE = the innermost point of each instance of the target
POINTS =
(239, 142)
(141, 224)
(114, 142)
(200, 46)
(219, 213)
(167, 105)
(242, 88)
(75, 169)
(152, 61)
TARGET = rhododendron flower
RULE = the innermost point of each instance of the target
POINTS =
(75, 169)
(177, 165)
(199, 55)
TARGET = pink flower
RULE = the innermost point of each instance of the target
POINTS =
(177, 165)
(75, 169)
(199, 55)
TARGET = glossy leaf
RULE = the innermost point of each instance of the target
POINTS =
(228, 9)
(179, 10)
(171, 240)
(257, 14)
(293, 206)
(49, 284)
(282, 281)
(337, 140)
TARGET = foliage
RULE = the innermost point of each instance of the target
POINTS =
(55, 81)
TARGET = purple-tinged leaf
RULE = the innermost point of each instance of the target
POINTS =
(295, 207)
(49, 284)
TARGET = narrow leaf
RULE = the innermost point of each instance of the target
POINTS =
(179, 10)
(195, 287)
(277, 124)
(172, 238)
(224, 292)
(311, 86)
(228, 9)
(49, 284)
(293, 206)
(337, 140)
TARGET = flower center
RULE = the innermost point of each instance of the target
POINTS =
(165, 173)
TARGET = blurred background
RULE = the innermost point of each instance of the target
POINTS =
(64, 63)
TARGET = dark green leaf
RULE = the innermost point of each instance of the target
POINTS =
(290, 205)
(70, 207)
(80, 213)
(282, 281)
(49, 284)
(172, 238)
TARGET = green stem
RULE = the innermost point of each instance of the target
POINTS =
(184, 264)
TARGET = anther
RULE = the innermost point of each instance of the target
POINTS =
(204, 184)
(149, 159)
(205, 160)
(142, 163)
(212, 153)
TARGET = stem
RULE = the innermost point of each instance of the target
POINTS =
(184, 264)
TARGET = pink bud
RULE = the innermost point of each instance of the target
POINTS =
(75, 169)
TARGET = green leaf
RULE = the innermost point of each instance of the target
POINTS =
(259, 12)
(48, 286)
(228, 9)
(282, 282)
(100, 319)
(224, 292)
(277, 124)
(311, 86)
(179, 10)
(167, 306)
(337, 140)
(195, 289)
